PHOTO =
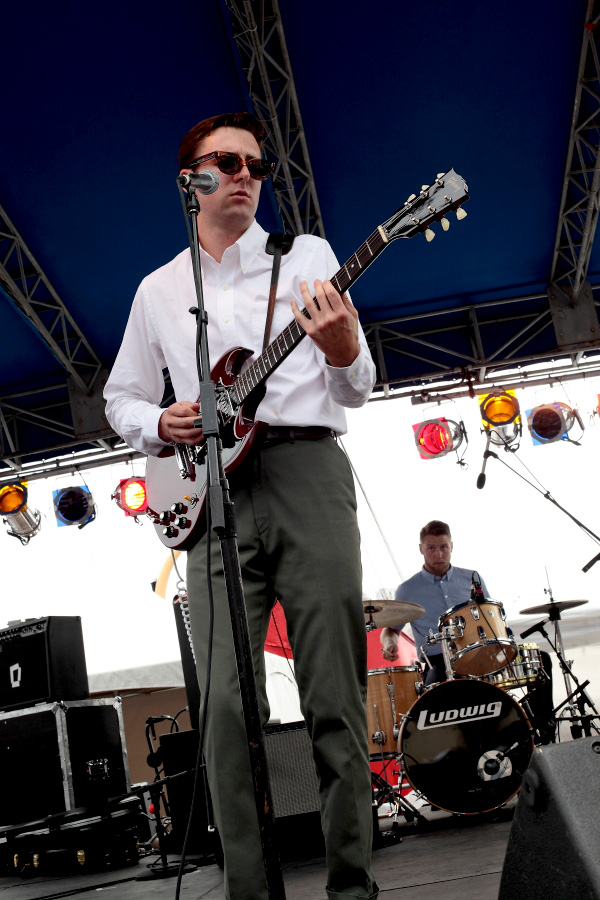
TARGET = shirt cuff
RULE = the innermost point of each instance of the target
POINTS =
(346, 374)
(150, 431)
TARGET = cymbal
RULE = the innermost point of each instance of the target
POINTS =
(391, 613)
(545, 609)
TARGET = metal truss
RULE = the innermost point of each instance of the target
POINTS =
(59, 416)
(40, 423)
(472, 346)
(580, 199)
(30, 290)
(258, 37)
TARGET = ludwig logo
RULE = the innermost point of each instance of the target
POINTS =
(428, 719)
(15, 675)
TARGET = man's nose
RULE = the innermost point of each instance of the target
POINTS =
(243, 174)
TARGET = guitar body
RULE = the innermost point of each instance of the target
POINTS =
(176, 481)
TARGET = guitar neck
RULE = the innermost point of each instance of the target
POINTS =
(292, 334)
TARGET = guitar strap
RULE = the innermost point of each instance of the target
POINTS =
(277, 246)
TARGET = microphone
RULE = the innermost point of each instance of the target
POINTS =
(476, 589)
(537, 627)
(482, 476)
(206, 182)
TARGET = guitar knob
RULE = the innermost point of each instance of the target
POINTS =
(178, 508)
(182, 522)
(169, 531)
(165, 517)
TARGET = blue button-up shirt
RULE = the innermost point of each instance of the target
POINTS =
(437, 594)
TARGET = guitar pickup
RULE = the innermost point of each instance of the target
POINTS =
(184, 459)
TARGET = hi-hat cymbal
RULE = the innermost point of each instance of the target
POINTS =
(545, 609)
(391, 613)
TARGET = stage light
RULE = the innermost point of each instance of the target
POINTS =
(501, 416)
(551, 422)
(437, 437)
(74, 506)
(499, 408)
(21, 522)
(130, 496)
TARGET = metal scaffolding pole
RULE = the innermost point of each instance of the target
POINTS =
(578, 215)
(259, 40)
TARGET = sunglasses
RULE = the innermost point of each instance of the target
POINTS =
(231, 164)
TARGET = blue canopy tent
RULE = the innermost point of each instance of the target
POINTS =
(367, 106)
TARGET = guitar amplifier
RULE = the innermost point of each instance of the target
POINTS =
(42, 660)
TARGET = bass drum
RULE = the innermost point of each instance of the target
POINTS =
(465, 746)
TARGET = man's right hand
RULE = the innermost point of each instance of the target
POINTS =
(177, 423)
(389, 642)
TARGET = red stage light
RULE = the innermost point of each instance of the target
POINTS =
(433, 438)
(130, 496)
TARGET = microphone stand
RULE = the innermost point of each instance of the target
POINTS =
(548, 496)
(222, 517)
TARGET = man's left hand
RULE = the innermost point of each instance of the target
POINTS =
(333, 323)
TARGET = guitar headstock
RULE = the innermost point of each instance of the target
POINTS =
(447, 192)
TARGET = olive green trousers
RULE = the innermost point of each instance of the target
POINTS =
(298, 540)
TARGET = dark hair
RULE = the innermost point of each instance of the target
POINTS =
(435, 527)
(189, 145)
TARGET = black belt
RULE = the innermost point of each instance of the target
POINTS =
(280, 433)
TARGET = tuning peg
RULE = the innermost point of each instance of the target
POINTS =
(440, 174)
(445, 223)
(412, 197)
(461, 214)
(429, 235)
(424, 187)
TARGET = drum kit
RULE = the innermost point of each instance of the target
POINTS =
(462, 744)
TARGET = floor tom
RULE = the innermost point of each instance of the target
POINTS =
(390, 694)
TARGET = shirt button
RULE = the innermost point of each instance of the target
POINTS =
(225, 287)
(244, 268)
(226, 320)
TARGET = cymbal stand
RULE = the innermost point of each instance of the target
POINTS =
(581, 697)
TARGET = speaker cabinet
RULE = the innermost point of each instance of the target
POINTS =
(292, 772)
(42, 660)
(294, 790)
(553, 845)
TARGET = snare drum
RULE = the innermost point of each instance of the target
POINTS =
(481, 643)
(390, 694)
(465, 746)
(523, 671)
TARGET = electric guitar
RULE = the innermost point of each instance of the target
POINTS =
(176, 480)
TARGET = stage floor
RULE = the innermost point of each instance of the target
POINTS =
(450, 858)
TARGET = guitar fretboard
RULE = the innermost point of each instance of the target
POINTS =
(292, 334)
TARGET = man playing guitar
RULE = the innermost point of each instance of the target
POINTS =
(294, 496)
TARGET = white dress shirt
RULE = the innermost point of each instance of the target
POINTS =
(161, 333)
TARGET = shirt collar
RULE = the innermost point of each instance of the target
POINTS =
(432, 578)
(245, 248)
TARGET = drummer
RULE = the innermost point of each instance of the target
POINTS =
(437, 587)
